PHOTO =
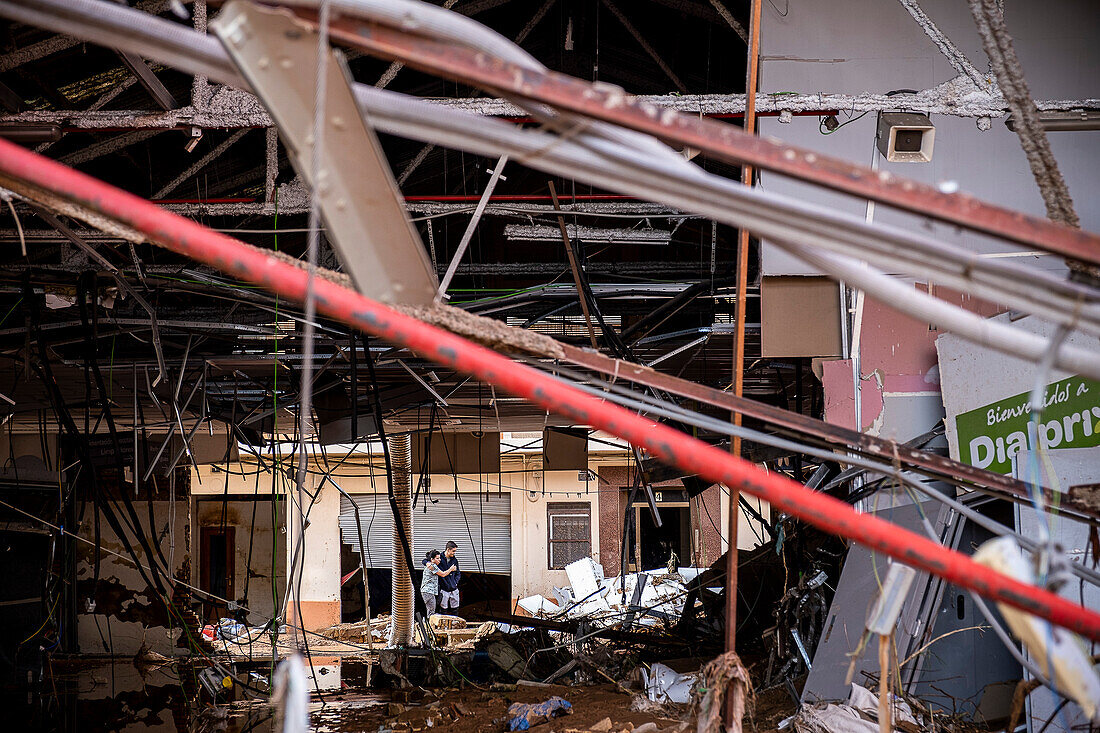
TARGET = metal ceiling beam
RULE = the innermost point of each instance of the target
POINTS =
(149, 80)
(59, 43)
(467, 235)
(201, 163)
(730, 20)
(106, 147)
(723, 141)
(242, 110)
(652, 52)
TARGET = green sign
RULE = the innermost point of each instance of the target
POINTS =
(990, 436)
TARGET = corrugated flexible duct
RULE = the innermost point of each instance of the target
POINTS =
(402, 589)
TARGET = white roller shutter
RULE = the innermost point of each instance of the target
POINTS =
(376, 520)
(480, 525)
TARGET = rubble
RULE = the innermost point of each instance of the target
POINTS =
(646, 598)
(662, 684)
(858, 715)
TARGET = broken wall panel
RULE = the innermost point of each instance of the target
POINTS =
(122, 612)
(986, 396)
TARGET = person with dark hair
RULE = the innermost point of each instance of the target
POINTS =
(448, 586)
(429, 586)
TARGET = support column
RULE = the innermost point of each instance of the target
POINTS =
(402, 588)
(316, 590)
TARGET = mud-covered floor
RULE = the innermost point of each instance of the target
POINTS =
(472, 710)
(113, 695)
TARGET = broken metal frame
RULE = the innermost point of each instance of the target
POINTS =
(820, 432)
(860, 438)
(673, 187)
(199, 55)
(669, 445)
(573, 266)
(365, 220)
(69, 234)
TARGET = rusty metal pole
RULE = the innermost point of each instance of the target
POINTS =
(573, 266)
(739, 356)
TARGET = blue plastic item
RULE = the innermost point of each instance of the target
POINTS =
(521, 716)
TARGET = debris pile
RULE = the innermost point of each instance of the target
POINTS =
(356, 632)
(858, 715)
(517, 707)
(647, 598)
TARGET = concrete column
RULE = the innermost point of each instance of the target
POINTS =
(320, 578)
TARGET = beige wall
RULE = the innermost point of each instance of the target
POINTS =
(320, 589)
(529, 490)
(268, 565)
(530, 558)
(317, 594)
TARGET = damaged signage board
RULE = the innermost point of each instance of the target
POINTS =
(991, 435)
(987, 401)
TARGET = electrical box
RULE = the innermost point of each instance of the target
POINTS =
(905, 137)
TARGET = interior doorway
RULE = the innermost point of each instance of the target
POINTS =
(655, 545)
(218, 547)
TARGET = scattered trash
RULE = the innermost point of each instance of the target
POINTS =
(505, 656)
(538, 605)
(1064, 650)
(858, 715)
(663, 684)
(521, 716)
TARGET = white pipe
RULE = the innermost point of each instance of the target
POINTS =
(605, 162)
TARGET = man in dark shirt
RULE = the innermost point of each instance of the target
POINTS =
(448, 585)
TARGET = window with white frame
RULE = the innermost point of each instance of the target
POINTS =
(569, 532)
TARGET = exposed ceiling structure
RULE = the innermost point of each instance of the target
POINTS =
(662, 279)
(432, 186)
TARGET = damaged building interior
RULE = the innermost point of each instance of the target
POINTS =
(739, 359)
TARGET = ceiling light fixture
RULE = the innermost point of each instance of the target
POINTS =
(1073, 120)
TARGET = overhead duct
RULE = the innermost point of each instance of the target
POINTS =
(402, 587)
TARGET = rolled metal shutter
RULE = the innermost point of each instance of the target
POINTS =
(481, 527)
(377, 526)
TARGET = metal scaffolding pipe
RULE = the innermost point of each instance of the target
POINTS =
(401, 623)
(23, 170)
